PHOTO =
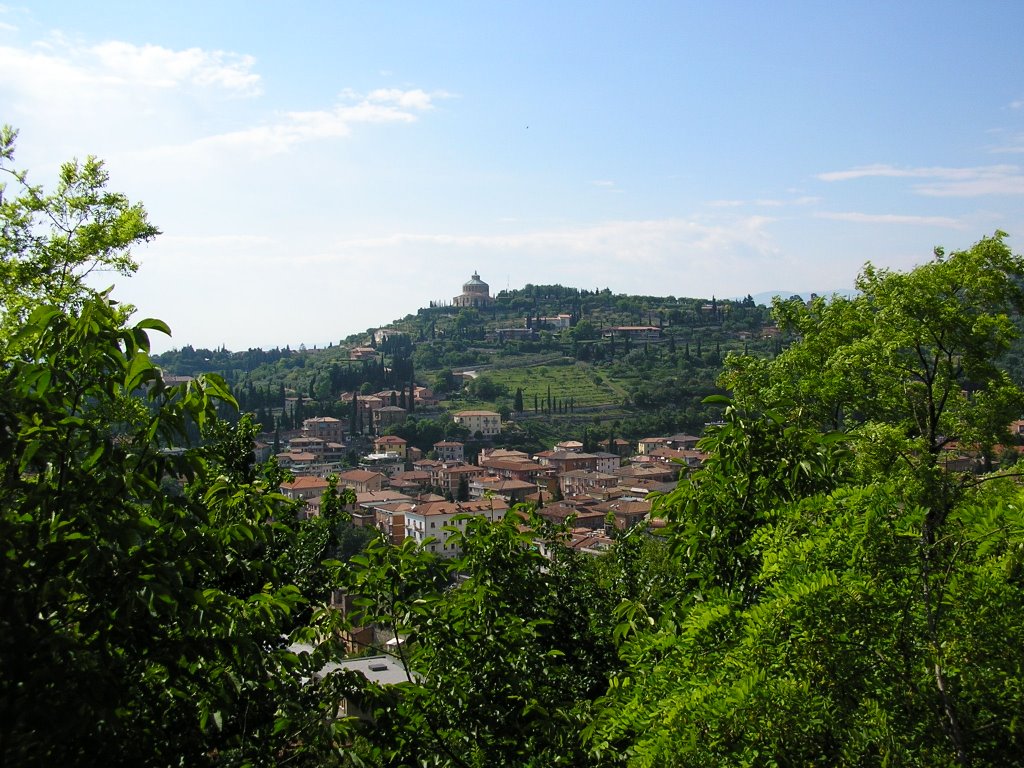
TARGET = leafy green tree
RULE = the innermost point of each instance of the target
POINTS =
(137, 626)
(910, 364)
(505, 662)
(50, 243)
(141, 622)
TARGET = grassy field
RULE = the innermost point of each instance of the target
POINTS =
(585, 386)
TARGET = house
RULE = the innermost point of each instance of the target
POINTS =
(390, 520)
(626, 514)
(298, 461)
(515, 469)
(449, 478)
(607, 462)
(423, 397)
(559, 322)
(412, 481)
(567, 461)
(573, 515)
(449, 451)
(362, 353)
(487, 454)
(512, 491)
(388, 464)
(304, 487)
(388, 415)
(382, 669)
(646, 471)
(485, 423)
(361, 480)
(582, 482)
(390, 444)
(326, 428)
(570, 446)
(615, 445)
(432, 524)
(683, 441)
(591, 542)
(648, 444)
(516, 334)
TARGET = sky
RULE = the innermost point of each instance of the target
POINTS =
(320, 168)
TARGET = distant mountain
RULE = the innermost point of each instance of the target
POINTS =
(766, 297)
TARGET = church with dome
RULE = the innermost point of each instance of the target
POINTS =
(475, 293)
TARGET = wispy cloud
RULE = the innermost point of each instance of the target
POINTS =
(48, 67)
(890, 218)
(946, 182)
(643, 240)
(289, 129)
(766, 202)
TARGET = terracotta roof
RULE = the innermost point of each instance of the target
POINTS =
(357, 475)
(304, 483)
(481, 507)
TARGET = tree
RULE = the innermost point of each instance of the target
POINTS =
(141, 621)
(50, 243)
(835, 580)
(910, 364)
(518, 402)
(507, 657)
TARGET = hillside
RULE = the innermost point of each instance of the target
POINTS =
(587, 363)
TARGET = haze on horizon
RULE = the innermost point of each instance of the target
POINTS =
(328, 167)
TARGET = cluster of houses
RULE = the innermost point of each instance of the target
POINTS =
(407, 495)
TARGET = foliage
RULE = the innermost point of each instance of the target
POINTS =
(915, 352)
(506, 659)
(50, 243)
(138, 626)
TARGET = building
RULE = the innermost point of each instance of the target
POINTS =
(581, 482)
(390, 444)
(433, 523)
(475, 293)
(449, 478)
(304, 487)
(486, 423)
(450, 451)
(326, 428)
(387, 416)
(361, 480)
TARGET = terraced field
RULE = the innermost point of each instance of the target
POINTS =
(580, 383)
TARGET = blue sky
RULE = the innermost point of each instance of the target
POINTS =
(319, 168)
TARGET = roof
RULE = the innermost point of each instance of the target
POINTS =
(304, 483)
(481, 507)
(477, 413)
(357, 475)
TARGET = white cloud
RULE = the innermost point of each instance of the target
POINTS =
(948, 182)
(290, 129)
(50, 68)
(651, 240)
(891, 218)
(154, 66)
